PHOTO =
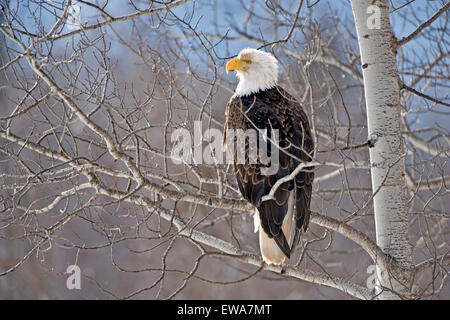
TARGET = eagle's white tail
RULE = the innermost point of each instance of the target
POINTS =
(269, 249)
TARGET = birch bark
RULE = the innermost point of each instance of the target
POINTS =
(382, 95)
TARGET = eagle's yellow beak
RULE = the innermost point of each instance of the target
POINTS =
(237, 64)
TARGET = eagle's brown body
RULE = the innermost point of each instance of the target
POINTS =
(275, 109)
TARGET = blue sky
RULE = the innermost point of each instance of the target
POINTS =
(223, 15)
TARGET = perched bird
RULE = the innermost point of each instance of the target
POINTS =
(260, 104)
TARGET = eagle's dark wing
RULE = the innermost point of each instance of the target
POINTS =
(268, 110)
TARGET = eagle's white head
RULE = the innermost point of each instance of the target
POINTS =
(257, 71)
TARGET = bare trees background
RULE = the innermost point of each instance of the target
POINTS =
(89, 102)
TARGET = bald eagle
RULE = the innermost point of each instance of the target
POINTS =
(259, 103)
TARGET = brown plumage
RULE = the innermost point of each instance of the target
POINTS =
(269, 109)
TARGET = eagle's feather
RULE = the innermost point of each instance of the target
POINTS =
(264, 111)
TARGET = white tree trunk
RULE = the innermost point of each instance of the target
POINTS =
(382, 93)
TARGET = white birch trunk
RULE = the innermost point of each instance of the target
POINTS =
(382, 94)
